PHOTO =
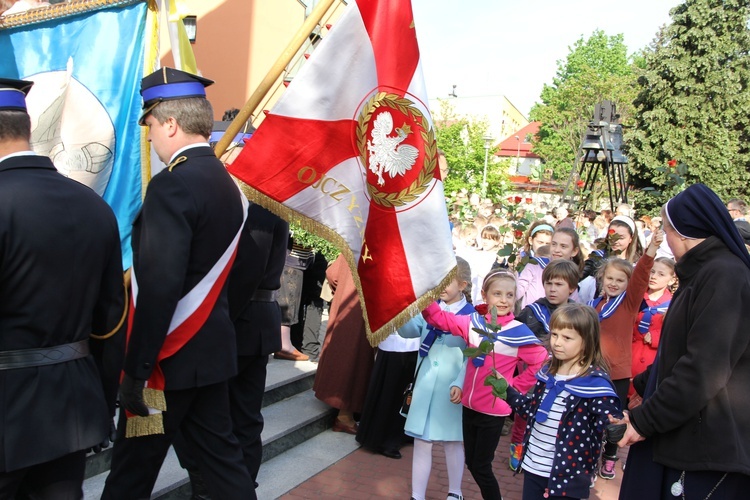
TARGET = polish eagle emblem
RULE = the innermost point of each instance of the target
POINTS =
(387, 154)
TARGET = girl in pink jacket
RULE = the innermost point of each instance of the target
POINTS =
(483, 413)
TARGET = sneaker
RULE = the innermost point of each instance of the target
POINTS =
(607, 470)
(516, 450)
(454, 495)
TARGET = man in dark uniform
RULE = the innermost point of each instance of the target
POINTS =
(61, 304)
(181, 348)
(253, 285)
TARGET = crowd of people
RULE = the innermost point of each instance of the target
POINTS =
(578, 333)
(617, 331)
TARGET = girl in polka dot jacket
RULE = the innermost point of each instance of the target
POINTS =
(567, 412)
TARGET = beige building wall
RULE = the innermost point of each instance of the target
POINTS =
(503, 117)
(237, 42)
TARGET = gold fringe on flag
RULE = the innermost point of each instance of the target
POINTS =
(56, 11)
(404, 316)
(323, 231)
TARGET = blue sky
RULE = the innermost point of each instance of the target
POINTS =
(499, 47)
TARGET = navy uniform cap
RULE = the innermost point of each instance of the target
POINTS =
(13, 94)
(168, 83)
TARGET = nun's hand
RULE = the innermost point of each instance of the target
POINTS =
(631, 435)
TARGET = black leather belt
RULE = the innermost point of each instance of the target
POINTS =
(26, 358)
(264, 296)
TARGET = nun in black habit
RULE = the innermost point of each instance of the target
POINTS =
(691, 436)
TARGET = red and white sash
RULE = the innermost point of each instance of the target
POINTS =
(189, 316)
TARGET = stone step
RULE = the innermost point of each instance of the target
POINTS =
(287, 378)
(283, 379)
(288, 424)
(288, 470)
(292, 416)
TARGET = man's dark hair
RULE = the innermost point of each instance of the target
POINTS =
(230, 114)
(15, 125)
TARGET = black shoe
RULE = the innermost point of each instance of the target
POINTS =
(391, 454)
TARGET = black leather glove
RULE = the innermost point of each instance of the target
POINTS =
(107, 440)
(131, 395)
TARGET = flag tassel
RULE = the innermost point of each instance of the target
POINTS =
(137, 426)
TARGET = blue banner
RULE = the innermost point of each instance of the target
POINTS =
(85, 102)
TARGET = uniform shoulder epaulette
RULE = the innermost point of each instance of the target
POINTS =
(176, 162)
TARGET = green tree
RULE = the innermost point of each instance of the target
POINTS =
(596, 69)
(693, 106)
(461, 139)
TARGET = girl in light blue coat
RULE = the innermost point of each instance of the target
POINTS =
(435, 412)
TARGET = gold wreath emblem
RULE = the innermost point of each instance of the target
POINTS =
(411, 193)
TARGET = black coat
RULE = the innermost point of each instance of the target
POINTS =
(258, 266)
(60, 280)
(699, 414)
(190, 215)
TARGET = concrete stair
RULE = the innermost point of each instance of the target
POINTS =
(297, 440)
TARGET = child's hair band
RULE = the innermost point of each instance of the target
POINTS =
(542, 227)
(496, 273)
(627, 220)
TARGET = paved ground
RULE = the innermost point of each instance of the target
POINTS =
(364, 475)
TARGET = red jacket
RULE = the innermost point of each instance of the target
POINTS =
(644, 354)
(617, 330)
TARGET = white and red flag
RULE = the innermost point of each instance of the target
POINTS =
(349, 151)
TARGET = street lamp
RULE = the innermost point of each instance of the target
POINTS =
(487, 143)
(518, 155)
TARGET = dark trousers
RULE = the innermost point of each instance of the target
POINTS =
(481, 437)
(621, 388)
(246, 399)
(58, 479)
(312, 338)
(202, 416)
(535, 487)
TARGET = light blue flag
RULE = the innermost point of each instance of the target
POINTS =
(85, 101)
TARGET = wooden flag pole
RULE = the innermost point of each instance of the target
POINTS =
(273, 74)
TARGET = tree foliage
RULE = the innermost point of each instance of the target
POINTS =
(596, 69)
(693, 105)
(461, 139)
(309, 240)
